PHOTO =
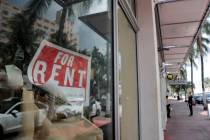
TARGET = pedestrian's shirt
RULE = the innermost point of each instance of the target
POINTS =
(167, 102)
(190, 99)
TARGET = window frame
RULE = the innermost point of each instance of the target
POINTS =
(129, 14)
(126, 7)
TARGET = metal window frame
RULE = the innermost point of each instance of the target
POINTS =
(115, 73)
(129, 14)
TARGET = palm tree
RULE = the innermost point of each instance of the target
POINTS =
(183, 76)
(202, 50)
(176, 89)
(183, 72)
(35, 9)
(192, 63)
(207, 82)
(83, 6)
(188, 85)
(22, 33)
(98, 65)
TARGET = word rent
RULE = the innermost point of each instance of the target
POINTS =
(62, 72)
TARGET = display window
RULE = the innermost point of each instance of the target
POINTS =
(56, 69)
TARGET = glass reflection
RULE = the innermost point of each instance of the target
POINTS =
(30, 110)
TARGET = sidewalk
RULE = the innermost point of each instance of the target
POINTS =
(182, 127)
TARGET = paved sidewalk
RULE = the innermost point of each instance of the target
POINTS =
(182, 127)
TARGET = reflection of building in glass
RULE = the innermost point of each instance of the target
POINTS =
(42, 26)
(45, 28)
(6, 11)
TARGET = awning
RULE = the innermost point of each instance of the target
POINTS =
(179, 23)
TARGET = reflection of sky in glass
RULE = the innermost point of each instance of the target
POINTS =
(19, 3)
(98, 6)
(50, 13)
(87, 37)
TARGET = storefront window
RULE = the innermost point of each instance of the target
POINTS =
(128, 84)
(56, 69)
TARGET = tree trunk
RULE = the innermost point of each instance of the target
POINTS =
(61, 24)
(202, 82)
(185, 94)
(202, 74)
(191, 63)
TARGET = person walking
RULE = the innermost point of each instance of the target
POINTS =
(168, 107)
(190, 103)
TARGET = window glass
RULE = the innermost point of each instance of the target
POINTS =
(128, 89)
(56, 59)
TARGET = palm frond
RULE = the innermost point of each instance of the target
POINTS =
(201, 48)
(205, 39)
(192, 56)
(183, 73)
(206, 28)
(205, 47)
(4, 33)
(36, 8)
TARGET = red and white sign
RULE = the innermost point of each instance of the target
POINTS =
(61, 72)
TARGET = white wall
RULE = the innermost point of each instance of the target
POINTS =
(149, 79)
(163, 102)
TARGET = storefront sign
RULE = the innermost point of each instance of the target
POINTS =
(170, 76)
(177, 82)
(60, 71)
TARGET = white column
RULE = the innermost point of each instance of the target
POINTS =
(163, 102)
(149, 77)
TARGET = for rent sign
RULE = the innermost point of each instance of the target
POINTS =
(60, 71)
